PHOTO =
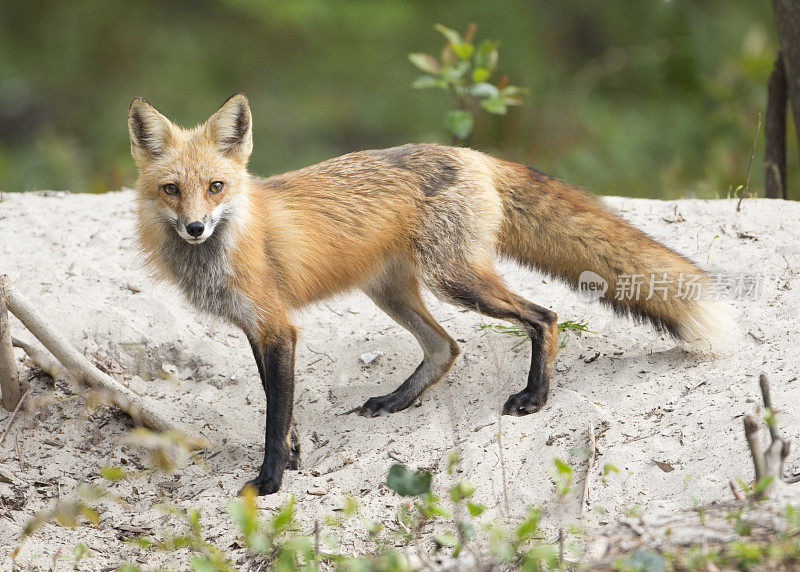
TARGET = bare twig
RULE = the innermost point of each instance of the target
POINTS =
(590, 467)
(139, 408)
(769, 463)
(747, 181)
(13, 414)
(736, 494)
(319, 353)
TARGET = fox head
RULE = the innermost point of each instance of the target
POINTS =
(191, 178)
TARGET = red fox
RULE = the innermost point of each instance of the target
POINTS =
(386, 221)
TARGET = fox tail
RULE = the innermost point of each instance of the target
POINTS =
(566, 233)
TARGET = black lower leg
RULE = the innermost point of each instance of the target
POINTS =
(277, 371)
(489, 296)
(534, 396)
(294, 440)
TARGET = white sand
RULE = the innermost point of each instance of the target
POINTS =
(74, 256)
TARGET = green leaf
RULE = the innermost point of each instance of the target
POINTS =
(608, 468)
(762, 485)
(475, 509)
(112, 473)
(407, 483)
(538, 554)
(496, 105)
(513, 90)
(480, 74)
(425, 62)
(445, 539)
(463, 50)
(562, 467)
(461, 491)
(284, 516)
(529, 527)
(459, 122)
(428, 81)
(644, 561)
(467, 530)
(202, 564)
(486, 55)
(452, 36)
(484, 89)
(490, 60)
(454, 73)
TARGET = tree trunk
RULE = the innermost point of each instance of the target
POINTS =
(787, 21)
(775, 133)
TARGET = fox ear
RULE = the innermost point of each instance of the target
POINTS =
(151, 132)
(231, 128)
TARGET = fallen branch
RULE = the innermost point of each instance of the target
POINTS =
(9, 376)
(140, 409)
(40, 358)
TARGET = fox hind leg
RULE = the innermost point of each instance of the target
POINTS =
(484, 291)
(397, 294)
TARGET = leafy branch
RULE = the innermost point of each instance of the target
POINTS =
(464, 70)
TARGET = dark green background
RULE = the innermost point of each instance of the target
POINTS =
(630, 97)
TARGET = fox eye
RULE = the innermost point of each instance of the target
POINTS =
(170, 189)
(216, 187)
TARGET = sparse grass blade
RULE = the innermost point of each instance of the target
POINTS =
(516, 331)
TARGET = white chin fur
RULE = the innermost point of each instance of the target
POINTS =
(711, 327)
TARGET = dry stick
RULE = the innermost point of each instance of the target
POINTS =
(736, 494)
(778, 450)
(765, 395)
(751, 434)
(592, 455)
(9, 376)
(13, 414)
(747, 181)
(138, 408)
(40, 358)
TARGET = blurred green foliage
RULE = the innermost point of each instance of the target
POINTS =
(464, 71)
(650, 98)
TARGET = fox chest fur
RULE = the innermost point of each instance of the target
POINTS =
(204, 274)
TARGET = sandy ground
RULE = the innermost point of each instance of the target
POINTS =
(651, 401)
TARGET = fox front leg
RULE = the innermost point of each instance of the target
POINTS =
(275, 360)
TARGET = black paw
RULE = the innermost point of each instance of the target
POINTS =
(264, 484)
(378, 406)
(524, 403)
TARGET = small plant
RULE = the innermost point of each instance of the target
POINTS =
(464, 70)
(205, 556)
(516, 331)
(562, 476)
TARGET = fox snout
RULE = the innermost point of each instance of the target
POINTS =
(195, 231)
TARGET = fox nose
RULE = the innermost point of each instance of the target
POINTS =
(195, 229)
